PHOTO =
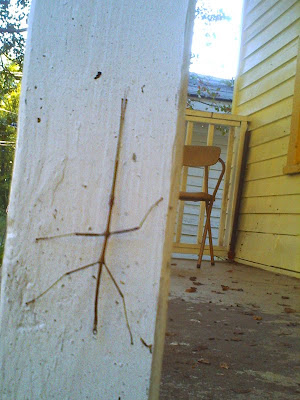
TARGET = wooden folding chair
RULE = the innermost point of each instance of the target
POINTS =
(203, 156)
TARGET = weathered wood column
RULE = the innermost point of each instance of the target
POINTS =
(82, 58)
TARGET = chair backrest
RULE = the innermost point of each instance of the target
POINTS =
(200, 156)
(204, 156)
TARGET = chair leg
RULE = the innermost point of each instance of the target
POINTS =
(211, 248)
(202, 243)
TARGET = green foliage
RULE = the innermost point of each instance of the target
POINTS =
(13, 20)
(9, 105)
(13, 16)
(2, 235)
(208, 16)
(203, 89)
(8, 123)
(9, 80)
(206, 13)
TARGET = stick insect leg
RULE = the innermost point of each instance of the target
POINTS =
(141, 223)
(59, 279)
(95, 326)
(90, 234)
(123, 299)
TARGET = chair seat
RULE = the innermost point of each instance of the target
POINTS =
(195, 196)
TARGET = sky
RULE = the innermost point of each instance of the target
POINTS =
(217, 54)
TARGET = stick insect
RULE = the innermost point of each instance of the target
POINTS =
(106, 234)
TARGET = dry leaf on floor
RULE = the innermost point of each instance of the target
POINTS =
(257, 318)
(285, 297)
(238, 290)
(181, 276)
(241, 391)
(292, 324)
(203, 361)
(236, 339)
(179, 344)
(193, 278)
(224, 287)
(198, 283)
(289, 310)
(288, 345)
(191, 290)
(224, 365)
(200, 348)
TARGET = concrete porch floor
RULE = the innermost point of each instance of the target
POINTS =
(234, 335)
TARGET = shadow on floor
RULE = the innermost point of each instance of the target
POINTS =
(233, 333)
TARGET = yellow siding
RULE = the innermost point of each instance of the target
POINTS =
(275, 62)
(269, 221)
(265, 169)
(261, 101)
(273, 205)
(261, 17)
(270, 114)
(267, 151)
(286, 224)
(275, 78)
(277, 186)
(270, 132)
(278, 251)
(276, 28)
(251, 6)
(276, 45)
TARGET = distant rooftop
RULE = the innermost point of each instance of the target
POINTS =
(224, 87)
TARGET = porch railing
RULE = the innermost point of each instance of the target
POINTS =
(235, 127)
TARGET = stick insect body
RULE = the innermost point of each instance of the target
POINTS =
(106, 234)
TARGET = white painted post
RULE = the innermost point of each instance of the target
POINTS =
(82, 58)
